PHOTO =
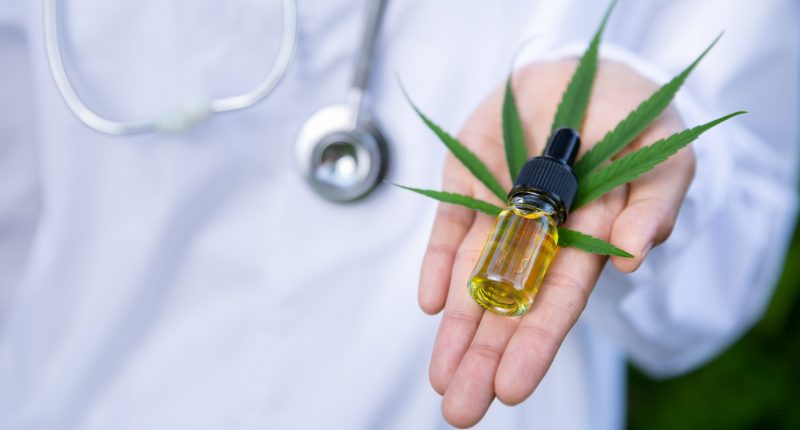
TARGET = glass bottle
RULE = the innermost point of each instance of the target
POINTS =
(524, 239)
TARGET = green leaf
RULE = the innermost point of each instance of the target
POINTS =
(573, 103)
(576, 239)
(636, 122)
(467, 157)
(457, 199)
(566, 237)
(633, 165)
(513, 134)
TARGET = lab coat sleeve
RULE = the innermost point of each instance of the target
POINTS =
(699, 291)
(19, 198)
(11, 13)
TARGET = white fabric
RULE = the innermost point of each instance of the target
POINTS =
(193, 281)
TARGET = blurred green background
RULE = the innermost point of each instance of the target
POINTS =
(753, 385)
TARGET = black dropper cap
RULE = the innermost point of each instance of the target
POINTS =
(552, 171)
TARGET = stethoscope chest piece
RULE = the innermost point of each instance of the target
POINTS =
(340, 150)
(342, 158)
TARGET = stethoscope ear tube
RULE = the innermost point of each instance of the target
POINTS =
(175, 120)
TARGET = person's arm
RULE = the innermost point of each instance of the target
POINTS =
(19, 198)
(12, 13)
(699, 291)
(479, 355)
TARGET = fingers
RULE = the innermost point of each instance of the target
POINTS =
(561, 299)
(461, 314)
(449, 228)
(534, 345)
(653, 204)
(471, 390)
(453, 222)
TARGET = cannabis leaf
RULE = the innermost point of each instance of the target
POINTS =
(573, 104)
(636, 122)
(633, 165)
(457, 199)
(594, 181)
(467, 157)
(567, 237)
(513, 134)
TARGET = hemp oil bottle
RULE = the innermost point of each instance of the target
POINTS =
(525, 236)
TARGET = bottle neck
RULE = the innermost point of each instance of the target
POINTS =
(532, 199)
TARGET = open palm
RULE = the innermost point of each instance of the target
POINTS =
(479, 355)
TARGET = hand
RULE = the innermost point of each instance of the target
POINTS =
(479, 355)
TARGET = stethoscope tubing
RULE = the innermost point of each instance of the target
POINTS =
(55, 55)
(363, 66)
(337, 126)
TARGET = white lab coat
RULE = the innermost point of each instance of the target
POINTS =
(193, 281)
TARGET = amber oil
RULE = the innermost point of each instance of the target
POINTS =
(516, 255)
(524, 239)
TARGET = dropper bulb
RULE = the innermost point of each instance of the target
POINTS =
(563, 145)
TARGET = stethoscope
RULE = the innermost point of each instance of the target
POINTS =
(340, 150)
